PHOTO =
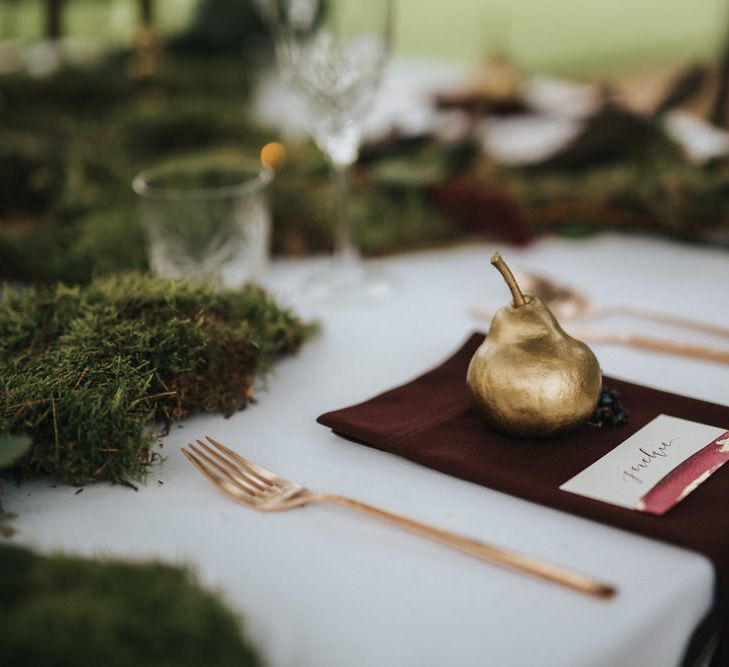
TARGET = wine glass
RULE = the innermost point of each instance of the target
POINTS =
(333, 53)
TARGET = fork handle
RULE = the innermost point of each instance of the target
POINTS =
(487, 552)
(664, 318)
(662, 345)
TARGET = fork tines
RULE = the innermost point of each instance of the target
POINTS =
(222, 465)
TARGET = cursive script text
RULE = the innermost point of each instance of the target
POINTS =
(658, 452)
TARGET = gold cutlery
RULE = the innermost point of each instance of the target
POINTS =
(568, 303)
(650, 344)
(639, 342)
(259, 489)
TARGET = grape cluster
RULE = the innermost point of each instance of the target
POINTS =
(609, 411)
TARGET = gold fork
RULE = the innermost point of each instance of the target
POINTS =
(257, 488)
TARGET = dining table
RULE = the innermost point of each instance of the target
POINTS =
(323, 586)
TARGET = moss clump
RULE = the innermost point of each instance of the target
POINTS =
(32, 176)
(95, 244)
(657, 192)
(85, 370)
(69, 611)
(67, 158)
(174, 129)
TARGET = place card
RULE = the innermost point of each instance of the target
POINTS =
(656, 467)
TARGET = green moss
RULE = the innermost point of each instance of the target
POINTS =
(84, 371)
(71, 143)
(94, 244)
(173, 129)
(12, 447)
(67, 160)
(387, 217)
(31, 175)
(62, 610)
(658, 193)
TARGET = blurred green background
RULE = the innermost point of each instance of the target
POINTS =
(72, 138)
(563, 36)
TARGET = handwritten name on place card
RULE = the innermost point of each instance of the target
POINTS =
(656, 467)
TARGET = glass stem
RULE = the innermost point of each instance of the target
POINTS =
(345, 251)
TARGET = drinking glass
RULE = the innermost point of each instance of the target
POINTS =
(333, 53)
(207, 218)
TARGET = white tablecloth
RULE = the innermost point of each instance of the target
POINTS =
(323, 587)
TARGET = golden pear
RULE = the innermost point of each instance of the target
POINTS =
(529, 377)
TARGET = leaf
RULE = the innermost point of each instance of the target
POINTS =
(12, 447)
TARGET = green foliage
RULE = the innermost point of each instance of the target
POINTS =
(78, 90)
(31, 175)
(96, 243)
(71, 143)
(67, 211)
(657, 192)
(62, 610)
(12, 447)
(67, 160)
(387, 216)
(173, 129)
(84, 371)
(222, 26)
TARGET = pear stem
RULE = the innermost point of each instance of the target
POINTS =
(505, 271)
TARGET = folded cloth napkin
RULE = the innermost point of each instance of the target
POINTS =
(430, 421)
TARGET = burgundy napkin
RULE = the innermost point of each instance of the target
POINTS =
(430, 421)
